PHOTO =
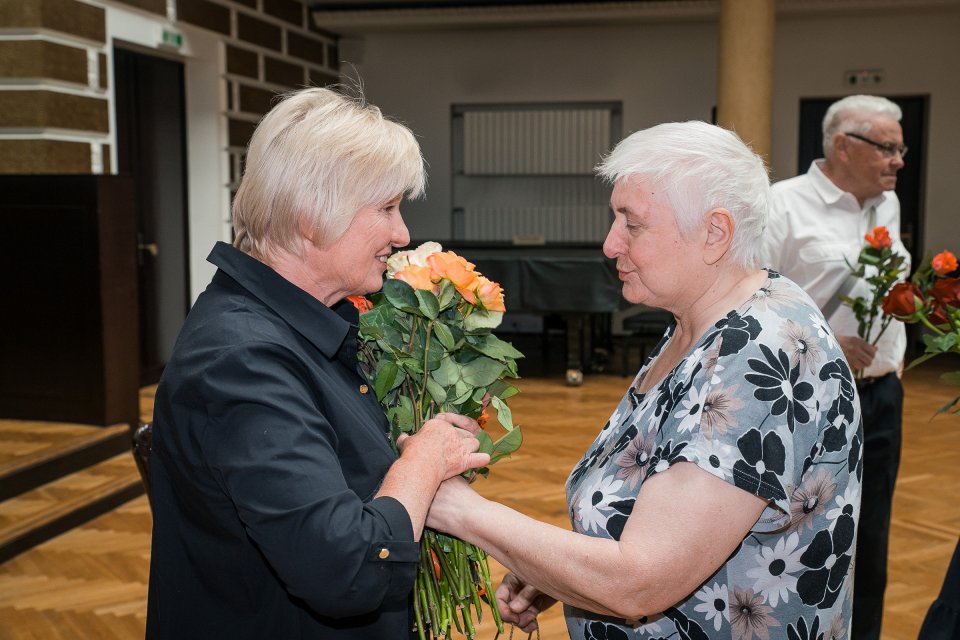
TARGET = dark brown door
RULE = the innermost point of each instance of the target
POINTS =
(151, 147)
(910, 179)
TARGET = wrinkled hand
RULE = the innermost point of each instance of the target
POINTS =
(447, 444)
(859, 353)
(520, 603)
(453, 498)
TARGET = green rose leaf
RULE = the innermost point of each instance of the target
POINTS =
(428, 303)
(504, 415)
(402, 296)
(486, 444)
(462, 391)
(939, 344)
(502, 389)
(401, 415)
(481, 320)
(438, 393)
(444, 335)
(492, 346)
(482, 371)
(448, 373)
(388, 377)
(506, 445)
(448, 294)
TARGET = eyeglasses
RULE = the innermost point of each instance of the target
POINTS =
(888, 149)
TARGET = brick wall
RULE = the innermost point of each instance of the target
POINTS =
(53, 65)
(53, 106)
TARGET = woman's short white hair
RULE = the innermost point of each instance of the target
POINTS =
(315, 159)
(852, 114)
(700, 167)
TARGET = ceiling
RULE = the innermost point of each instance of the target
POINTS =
(355, 17)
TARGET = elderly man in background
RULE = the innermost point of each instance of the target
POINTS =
(818, 219)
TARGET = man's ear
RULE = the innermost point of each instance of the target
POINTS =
(840, 143)
(720, 228)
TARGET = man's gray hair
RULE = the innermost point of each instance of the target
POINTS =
(700, 167)
(852, 115)
(315, 159)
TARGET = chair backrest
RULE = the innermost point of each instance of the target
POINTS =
(142, 446)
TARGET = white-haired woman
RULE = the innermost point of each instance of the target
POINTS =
(280, 508)
(720, 499)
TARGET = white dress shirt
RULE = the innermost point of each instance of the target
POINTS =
(813, 226)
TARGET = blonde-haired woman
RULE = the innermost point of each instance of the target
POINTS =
(280, 507)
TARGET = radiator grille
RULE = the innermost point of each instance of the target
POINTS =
(529, 172)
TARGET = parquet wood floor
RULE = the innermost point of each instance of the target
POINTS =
(91, 582)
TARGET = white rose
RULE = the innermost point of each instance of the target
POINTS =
(418, 257)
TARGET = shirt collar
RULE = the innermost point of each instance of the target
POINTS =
(327, 328)
(832, 194)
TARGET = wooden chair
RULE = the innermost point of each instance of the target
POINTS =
(142, 446)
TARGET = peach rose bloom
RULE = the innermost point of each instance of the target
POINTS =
(418, 278)
(457, 270)
(490, 294)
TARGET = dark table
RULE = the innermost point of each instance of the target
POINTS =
(576, 282)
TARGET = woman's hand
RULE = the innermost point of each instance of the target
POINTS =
(454, 498)
(447, 444)
(520, 603)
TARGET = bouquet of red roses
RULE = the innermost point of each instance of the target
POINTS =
(428, 347)
(932, 298)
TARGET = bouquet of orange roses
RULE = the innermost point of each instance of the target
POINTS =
(428, 347)
(880, 266)
(932, 298)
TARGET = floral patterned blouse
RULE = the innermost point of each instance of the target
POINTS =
(765, 401)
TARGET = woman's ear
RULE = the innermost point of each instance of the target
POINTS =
(720, 227)
(308, 232)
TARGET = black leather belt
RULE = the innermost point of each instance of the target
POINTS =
(863, 383)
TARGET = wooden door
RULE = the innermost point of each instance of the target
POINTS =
(151, 147)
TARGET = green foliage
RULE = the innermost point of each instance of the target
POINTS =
(430, 359)
(431, 353)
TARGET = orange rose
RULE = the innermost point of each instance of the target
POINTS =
(879, 238)
(490, 294)
(900, 301)
(944, 263)
(362, 304)
(418, 278)
(482, 419)
(457, 270)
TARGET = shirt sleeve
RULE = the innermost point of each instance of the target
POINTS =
(748, 411)
(774, 235)
(275, 455)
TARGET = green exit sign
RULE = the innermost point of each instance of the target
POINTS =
(172, 38)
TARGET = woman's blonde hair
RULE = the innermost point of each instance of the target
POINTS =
(315, 159)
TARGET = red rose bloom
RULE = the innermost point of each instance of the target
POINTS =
(944, 263)
(879, 238)
(900, 301)
(946, 291)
